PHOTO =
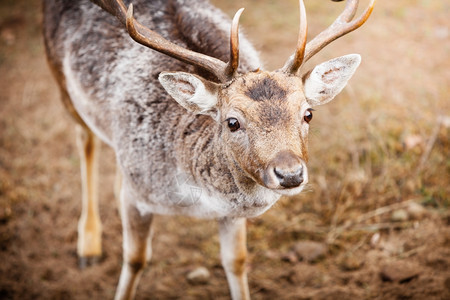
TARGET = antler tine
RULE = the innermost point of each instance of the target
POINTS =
(115, 8)
(341, 26)
(233, 64)
(350, 11)
(296, 60)
(151, 39)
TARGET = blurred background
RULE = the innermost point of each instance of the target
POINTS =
(373, 224)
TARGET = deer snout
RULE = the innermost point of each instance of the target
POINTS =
(289, 179)
(286, 170)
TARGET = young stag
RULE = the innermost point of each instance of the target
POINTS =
(192, 135)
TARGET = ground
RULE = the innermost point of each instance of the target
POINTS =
(376, 209)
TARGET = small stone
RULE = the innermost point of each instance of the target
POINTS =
(5, 215)
(272, 255)
(399, 271)
(375, 239)
(8, 36)
(310, 251)
(412, 141)
(199, 275)
(351, 263)
(416, 211)
(290, 256)
(445, 121)
(399, 215)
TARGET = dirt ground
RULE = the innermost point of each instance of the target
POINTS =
(376, 212)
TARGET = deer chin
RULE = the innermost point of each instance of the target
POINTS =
(291, 191)
(278, 189)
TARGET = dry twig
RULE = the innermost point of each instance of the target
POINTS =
(429, 147)
(336, 231)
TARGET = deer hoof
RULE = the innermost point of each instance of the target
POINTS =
(88, 261)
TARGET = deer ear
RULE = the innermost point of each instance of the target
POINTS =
(194, 93)
(328, 79)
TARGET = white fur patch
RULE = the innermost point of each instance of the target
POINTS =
(189, 91)
(188, 199)
(329, 78)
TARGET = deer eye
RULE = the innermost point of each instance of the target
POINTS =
(308, 115)
(233, 124)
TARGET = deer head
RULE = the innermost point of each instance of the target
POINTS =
(264, 115)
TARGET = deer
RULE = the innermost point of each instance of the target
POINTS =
(198, 127)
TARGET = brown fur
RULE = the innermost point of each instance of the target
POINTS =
(265, 89)
(240, 252)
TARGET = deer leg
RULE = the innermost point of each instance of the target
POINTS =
(137, 236)
(118, 188)
(89, 246)
(233, 252)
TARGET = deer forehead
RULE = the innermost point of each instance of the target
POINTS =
(265, 97)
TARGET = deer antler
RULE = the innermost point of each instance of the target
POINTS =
(143, 35)
(340, 27)
(234, 45)
(296, 60)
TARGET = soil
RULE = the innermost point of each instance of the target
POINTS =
(362, 255)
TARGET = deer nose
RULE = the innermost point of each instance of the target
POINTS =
(289, 178)
(285, 170)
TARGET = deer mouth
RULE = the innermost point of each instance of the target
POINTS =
(290, 191)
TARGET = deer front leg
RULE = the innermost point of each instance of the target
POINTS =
(89, 246)
(137, 236)
(118, 188)
(233, 251)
